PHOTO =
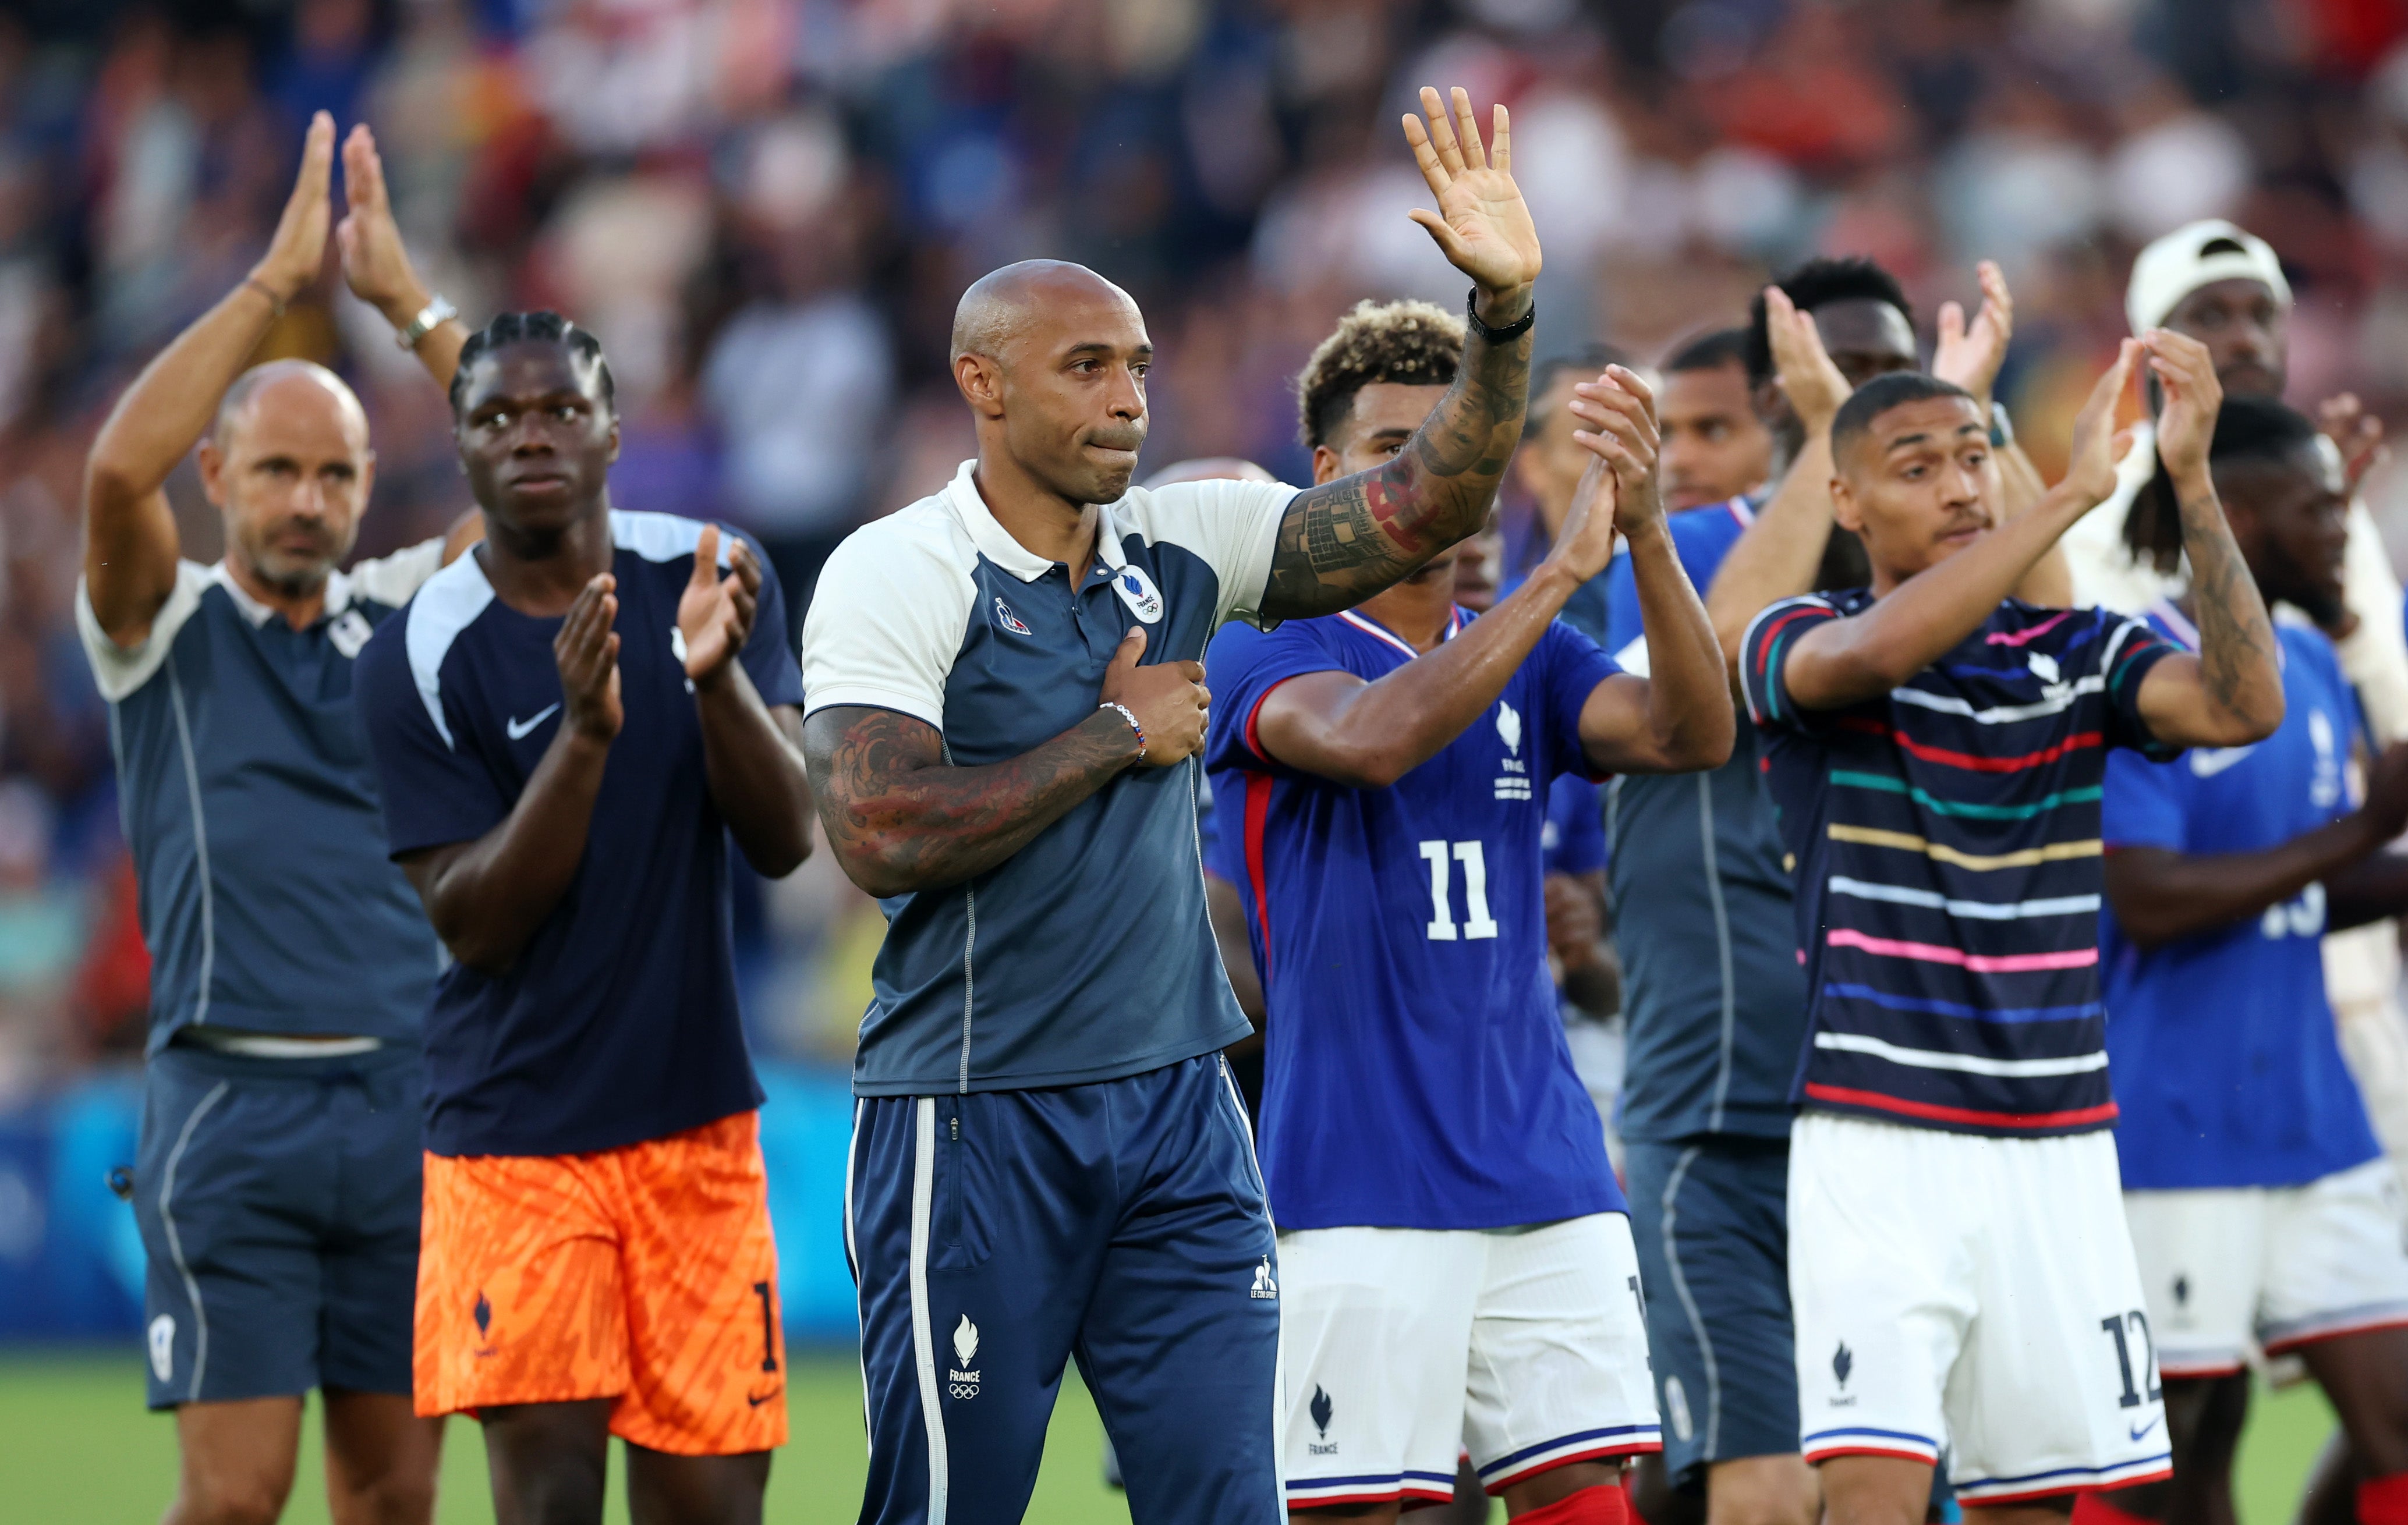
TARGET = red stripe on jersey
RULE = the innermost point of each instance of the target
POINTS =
(1764, 642)
(1846, 1097)
(1258, 810)
(1968, 761)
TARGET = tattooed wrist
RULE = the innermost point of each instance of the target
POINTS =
(902, 818)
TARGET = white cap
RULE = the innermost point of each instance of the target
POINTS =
(2173, 268)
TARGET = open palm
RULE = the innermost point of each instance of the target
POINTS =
(1481, 222)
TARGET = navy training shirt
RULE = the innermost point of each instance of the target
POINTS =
(2227, 1066)
(1401, 938)
(1712, 994)
(618, 1022)
(249, 806)
(1086, 955)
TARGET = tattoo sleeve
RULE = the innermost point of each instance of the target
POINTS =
(2237, 658)
(1343, 541)
(901, 818)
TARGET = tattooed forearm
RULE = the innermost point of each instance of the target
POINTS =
(2237, 664)
(901, 818)
(1345, 540)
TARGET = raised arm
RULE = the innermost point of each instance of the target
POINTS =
(1343, 541)
(1368, 736)
(752, 755)
(2161, 896)
(1839, 662)
(901, 818)
(1679, 717)
(1776, 558)
(2230, 694)
(130, 545)
(1970, 354)
(487, 898)
(376, 266)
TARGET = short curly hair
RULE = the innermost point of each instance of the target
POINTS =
(1417, 343)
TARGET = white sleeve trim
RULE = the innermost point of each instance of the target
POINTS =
(120, 670)
(393, 579)
(888, 619)
(868, 697)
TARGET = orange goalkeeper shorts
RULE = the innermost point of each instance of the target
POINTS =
(644, 1273)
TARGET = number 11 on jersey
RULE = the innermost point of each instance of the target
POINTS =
(1477, 922)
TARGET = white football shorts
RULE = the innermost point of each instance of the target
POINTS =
(1402, 1348)
(1974, 1294)
(2231, 1270)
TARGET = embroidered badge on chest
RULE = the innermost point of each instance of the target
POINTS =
(1513, 775)
(349, 633)
(1137, 592)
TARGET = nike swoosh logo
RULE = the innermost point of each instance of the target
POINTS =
(751, 1402)
(2144, 1428)
(2207, 761)
(518, 729)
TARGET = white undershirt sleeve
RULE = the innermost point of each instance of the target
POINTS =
(887, 620)
(119, 670)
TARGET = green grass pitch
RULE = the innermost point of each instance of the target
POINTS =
(76, 1446)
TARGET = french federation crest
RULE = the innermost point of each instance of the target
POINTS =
(1139, 592)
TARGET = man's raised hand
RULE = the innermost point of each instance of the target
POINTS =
(586, 651)
(714, 613)
(1620, 410)
(1170, 701)
(2356, 433)
(2186, 423)
(2098, 445)
(375, 266)
(1809, 377)
(298, 250)
(1970, 355)
(1481, 223)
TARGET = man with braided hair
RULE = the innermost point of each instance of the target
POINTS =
(570, 725)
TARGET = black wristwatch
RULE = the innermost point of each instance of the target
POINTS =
(1507, 335)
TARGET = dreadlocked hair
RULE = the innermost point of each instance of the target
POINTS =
(2246, 429)
(1415, 343)
(541, 327)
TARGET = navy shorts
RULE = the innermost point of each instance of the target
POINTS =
(279, 1200)
(997, 1234)
(1711, 1219)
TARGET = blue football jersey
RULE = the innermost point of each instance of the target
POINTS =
(1416, 1075)
(2221, 1045)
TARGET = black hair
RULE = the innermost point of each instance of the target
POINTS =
(1709, 351)
(1878, 396)
(1587, 360)
(1818, 283)
(542, 327)
(2246, 429)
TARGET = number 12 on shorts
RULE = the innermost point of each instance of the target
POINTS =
(2114, 1324)
(1477, 922)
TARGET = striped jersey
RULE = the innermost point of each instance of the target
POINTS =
(1948, 867)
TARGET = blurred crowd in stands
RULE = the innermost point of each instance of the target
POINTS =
(766, 209)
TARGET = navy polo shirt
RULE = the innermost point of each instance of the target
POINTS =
(251, 806)
(1085, 956)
